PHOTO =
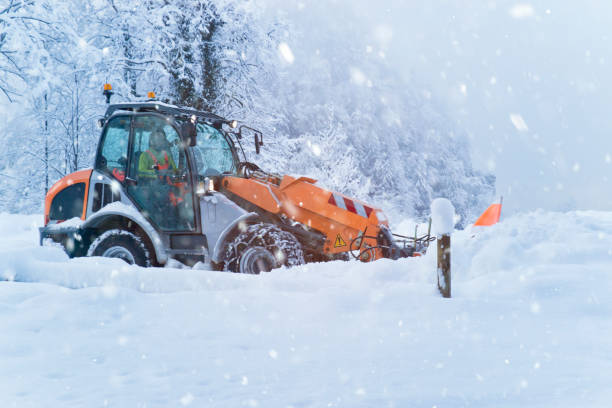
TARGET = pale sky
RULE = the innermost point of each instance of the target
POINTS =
(529, 81)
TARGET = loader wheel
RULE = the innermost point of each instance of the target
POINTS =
(117, 243)
(261, 248)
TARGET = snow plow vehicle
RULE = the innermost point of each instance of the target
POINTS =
(168, 183)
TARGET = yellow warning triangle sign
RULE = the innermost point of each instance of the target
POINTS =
(339, 242)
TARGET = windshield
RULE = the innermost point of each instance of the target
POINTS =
(213, 153)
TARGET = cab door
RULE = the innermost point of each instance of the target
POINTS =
(158, 175)
(113, 149)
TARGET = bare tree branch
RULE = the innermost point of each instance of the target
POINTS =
(29, 18)
(11, 177)
(7, 93)
(47, 161)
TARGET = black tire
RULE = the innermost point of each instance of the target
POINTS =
(122, 244)
(261, 248)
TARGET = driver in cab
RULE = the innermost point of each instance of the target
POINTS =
(156, 163)
(156, 157)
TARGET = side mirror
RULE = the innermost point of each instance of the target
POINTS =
(189, 133)
(100, 122)
(258, 141)
(257, 136)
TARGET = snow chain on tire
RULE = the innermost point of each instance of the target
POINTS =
(282, 245)
(122, 244)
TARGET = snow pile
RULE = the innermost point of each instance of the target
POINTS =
(528, 325)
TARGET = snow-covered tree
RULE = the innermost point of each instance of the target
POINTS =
(326, 99)
(18, 32)
(340, 113)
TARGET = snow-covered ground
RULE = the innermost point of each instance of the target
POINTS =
(529, 324)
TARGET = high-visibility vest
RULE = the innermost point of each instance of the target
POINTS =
(158, 166)
(173, 198)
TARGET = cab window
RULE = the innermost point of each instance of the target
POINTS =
(68, 203)
(158, 165)
(213, 154)
(114, 150)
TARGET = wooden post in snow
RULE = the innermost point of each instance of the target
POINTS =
(443, 215)
(444, 265)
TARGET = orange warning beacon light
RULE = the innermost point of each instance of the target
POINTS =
(107, 92)
(490, 216)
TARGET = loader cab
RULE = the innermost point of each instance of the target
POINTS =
(146, 149)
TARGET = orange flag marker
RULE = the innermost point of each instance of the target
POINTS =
(490, 216)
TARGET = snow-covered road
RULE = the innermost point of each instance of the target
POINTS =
(530, 324)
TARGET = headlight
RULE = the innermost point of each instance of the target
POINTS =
(205, 186)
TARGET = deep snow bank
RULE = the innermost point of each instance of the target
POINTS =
(529, 324)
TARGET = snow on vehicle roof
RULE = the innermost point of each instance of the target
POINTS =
(161, 107)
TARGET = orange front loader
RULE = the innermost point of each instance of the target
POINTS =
(227, 213)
